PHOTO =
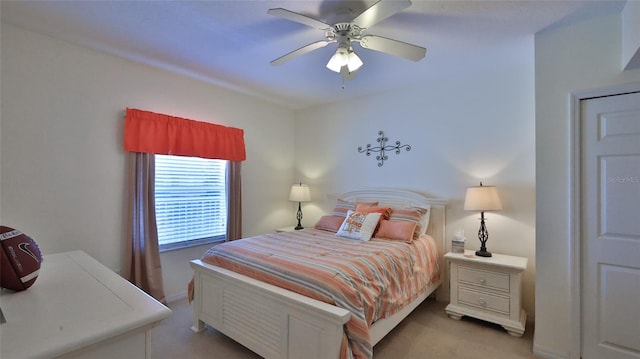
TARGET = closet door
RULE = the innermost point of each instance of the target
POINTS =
(610, 226)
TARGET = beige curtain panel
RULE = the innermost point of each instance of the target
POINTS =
(234, 201)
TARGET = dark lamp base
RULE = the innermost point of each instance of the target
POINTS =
(299, 218)
(484, 253)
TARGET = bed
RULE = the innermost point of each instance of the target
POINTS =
(279, 323)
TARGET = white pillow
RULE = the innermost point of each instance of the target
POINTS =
(359, 225)
(424, 223)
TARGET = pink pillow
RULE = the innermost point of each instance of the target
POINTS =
(342, 207)
(420, 216)
(329, 223)
(402, 230)
(367, 208)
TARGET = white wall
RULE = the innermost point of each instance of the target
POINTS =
(631, 35)
(462, 130)
(581, 56)
(63, 166)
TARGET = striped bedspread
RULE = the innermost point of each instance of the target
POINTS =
(371, 279)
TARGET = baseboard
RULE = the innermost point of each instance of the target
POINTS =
(546, 353)
(176, 297)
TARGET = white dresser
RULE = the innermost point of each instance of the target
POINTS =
(487, 288)
(78, 308)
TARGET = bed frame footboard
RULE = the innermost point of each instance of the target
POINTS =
(271, 321)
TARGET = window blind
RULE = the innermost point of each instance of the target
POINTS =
(190, 198)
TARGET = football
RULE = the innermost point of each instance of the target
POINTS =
(20, 261)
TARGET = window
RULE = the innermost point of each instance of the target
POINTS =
(191, 204)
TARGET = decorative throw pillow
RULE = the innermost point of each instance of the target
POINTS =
(400, 230)
(420, 216)
(342, 207)
(329, 223)
(359, 225)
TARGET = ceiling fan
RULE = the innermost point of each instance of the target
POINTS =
(351, 29)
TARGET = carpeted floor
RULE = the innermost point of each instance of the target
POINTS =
(426, 333)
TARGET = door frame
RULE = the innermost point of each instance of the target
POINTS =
(575, 215)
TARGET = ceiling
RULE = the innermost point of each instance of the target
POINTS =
(231, 43)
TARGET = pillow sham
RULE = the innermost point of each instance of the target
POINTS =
(358, 225)
(342, 207)
(329, 223)
(425, 220)
(418, 215)
(397, 230)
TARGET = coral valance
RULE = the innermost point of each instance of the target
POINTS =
(151, 132)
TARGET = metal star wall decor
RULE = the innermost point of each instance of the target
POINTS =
(382, 140)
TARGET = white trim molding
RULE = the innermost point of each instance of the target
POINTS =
(546, 353)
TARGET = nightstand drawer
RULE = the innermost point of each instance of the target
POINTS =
(483, 300)
(493, 280)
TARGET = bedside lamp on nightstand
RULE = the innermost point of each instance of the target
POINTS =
(482, 198)
(299, 193)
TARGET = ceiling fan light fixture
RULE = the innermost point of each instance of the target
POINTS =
(340, 58)
(351, 29)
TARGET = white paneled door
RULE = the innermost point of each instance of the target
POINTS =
(610, 226)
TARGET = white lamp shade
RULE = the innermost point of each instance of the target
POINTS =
(339, 59)
(482, 198)
(300, 193)
(354, 61)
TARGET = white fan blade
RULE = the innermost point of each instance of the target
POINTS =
(294, 16)
(393, 47)
(301, 51)
(380, 11)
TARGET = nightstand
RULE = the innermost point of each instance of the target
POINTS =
(285, 229)
(487, 288)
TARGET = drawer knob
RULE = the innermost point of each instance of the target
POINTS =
(482, 302)
(483, 281)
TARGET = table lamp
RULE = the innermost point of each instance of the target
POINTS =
(299, 193)
(482, 198)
